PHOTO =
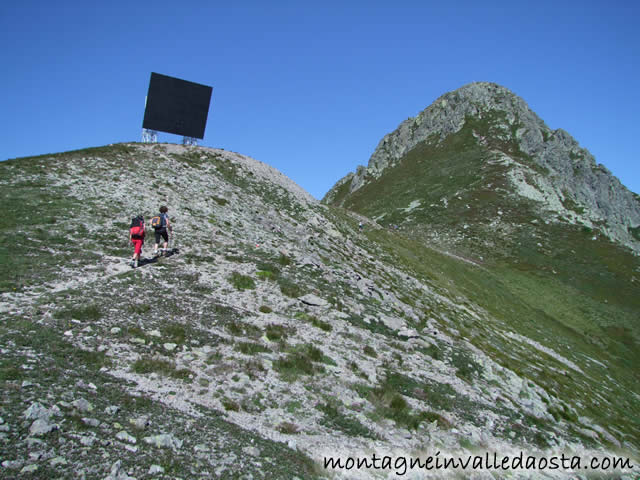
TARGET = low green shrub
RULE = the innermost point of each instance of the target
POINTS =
(242, 282)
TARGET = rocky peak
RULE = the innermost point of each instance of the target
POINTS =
(546, 165)
(447, 115)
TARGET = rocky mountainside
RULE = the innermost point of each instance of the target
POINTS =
(546, 167)
(278, 333)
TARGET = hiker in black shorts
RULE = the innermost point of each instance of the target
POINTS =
(163, 229)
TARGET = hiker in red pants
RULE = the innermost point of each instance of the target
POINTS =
(136, 238)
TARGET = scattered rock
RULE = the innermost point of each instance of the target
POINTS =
(82, 405)
(12, 464)
(123, 436)
(118, 473)
(29, 468)
(42, 426)
(54, 462)
(111, 410)
(140, 422)
(88, 440)
(250, 450)
(36, 411)
(408, 333)
(92, 422)
(164, 440)
(314, 301)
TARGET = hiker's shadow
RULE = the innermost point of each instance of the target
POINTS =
(169, 253)
(147, 261)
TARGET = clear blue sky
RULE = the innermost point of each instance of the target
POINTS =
(311, 87)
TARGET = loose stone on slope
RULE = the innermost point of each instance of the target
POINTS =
(314, 301)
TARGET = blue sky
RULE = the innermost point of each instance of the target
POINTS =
(312, 87)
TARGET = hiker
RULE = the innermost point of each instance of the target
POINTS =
(136, 238)
(163, 229)
(360, 226)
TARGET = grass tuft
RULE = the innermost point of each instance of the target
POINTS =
(242, 282)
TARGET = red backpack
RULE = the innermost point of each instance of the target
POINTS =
(137, 228)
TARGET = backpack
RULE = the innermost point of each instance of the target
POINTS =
(137, 227)
(158, 222)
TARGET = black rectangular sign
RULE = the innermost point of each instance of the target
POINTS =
(176, 106)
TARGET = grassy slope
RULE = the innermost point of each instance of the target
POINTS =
(565, 311)
(551, 282)
(547, 311)
(44, 229)
(49, 236)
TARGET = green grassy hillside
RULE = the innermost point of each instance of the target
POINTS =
(562, 285)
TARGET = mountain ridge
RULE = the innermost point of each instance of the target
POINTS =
(547, 166)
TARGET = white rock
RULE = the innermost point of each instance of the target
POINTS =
(42, 426)
(118, 473)
(140, 422)
(408, 333)
(164, 440)
(394, 323)
(253, 451)
(36, 411)
(87, 440)
(92, 422)
(12, 464)
(54, 462)
(29, 468)
(123, 436)
(153, 469)
(115, 330)
(313, 300)
(82, 405)
(169, 346)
